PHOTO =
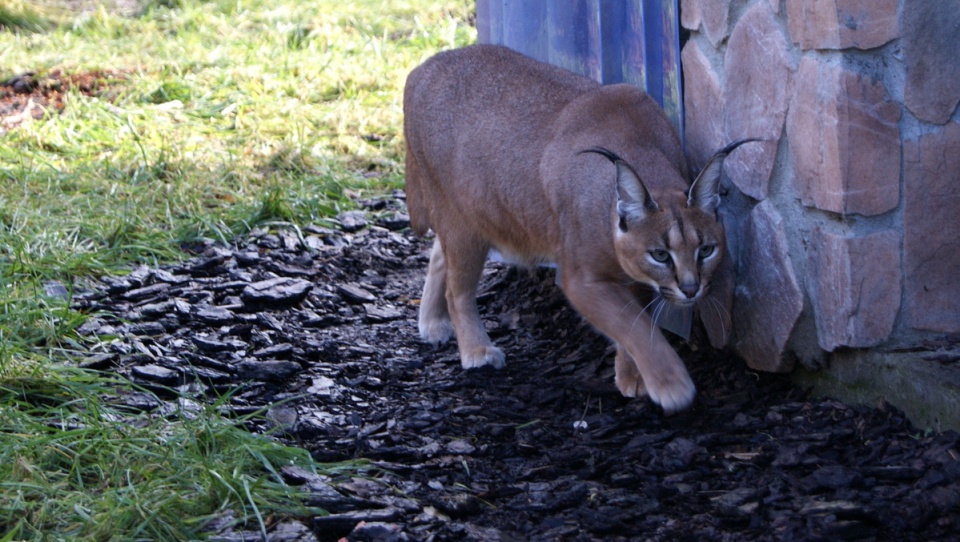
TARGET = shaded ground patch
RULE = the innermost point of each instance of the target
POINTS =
(317, 327)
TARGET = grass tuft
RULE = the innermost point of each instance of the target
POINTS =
(72, 463)
(20, 16)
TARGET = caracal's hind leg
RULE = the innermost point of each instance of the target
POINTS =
(464, 258)
(434, 317)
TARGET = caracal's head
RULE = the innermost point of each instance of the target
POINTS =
(673, 244)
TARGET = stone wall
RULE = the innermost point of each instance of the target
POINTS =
(845, 219)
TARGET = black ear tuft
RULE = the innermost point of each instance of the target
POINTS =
(730, 148)
(705, 190)
(633, 197)
(606, 153)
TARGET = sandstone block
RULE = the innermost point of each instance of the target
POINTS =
(932, 230)
(768, 300)
(931, 53)
(841, 24)
(844, 140)
(755, 96)
(703, 119)
(712, 15)
(854, 286)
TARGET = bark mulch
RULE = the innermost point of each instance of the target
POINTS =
(318, 326)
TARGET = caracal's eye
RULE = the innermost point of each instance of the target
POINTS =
(705, 251)
(659, 255)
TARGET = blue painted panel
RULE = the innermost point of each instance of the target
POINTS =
(622, 42)
(611, 41)
(573, 37)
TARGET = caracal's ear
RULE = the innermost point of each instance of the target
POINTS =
(633, 198)
(705, 190)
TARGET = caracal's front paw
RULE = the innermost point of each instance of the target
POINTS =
(631, 385)
(672, 389)
(628, 378)
(483, 355)
(435, 330)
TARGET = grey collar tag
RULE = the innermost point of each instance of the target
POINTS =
(676, 320)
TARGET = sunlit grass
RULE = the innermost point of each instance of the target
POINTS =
(75, 467)
(211, 118)
(22, 16)
(214, 116)
(217, 100)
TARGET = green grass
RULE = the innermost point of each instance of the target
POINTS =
(18, 16)
(213, 117)
(220, 103)
(73, 467)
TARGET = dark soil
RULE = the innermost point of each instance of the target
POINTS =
(33, 96)
(319, 327)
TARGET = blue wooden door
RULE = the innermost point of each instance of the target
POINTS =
(611, 41)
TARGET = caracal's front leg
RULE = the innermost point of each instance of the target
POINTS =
(464, 265)
(433, 319)
(628, 378)
(656, 366)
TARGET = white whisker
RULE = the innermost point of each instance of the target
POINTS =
(720, 310)
(656, 316)
(626, 306)
(652, 301)
(640, 314)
